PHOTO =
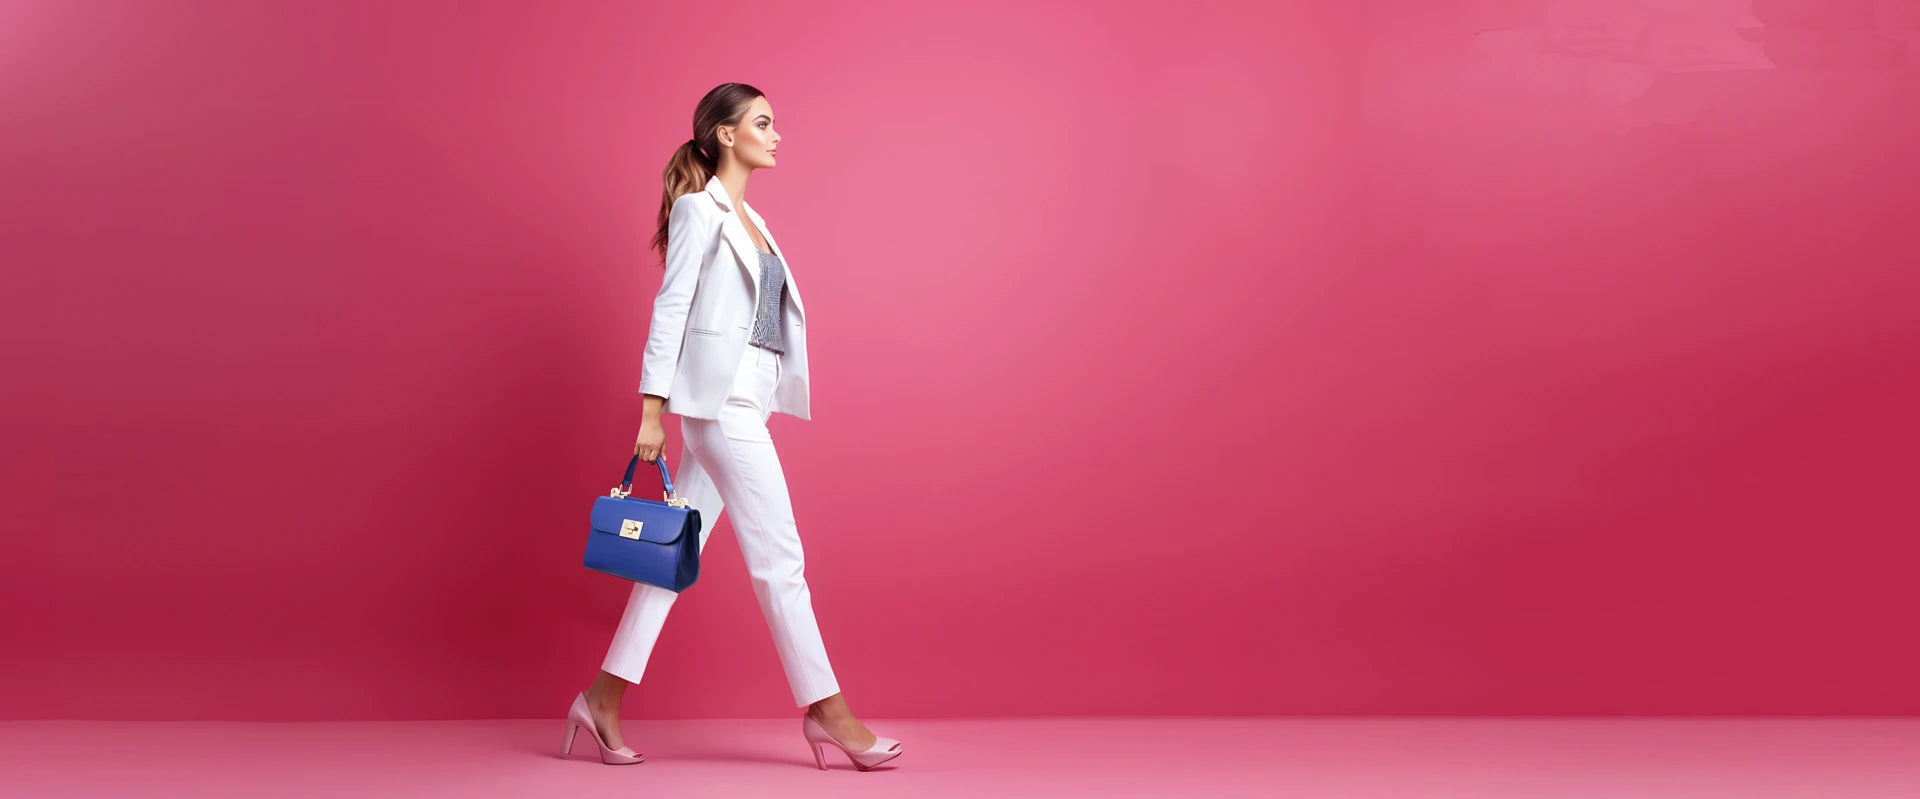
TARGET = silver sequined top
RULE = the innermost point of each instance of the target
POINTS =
(766, 318)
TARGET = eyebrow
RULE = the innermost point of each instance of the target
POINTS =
(765, 117)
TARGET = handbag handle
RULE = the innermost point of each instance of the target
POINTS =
(666, 480)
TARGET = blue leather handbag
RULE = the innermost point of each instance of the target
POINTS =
(645, 540)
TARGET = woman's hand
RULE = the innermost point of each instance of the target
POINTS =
(651, 439)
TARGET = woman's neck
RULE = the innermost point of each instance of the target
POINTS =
(735, 182)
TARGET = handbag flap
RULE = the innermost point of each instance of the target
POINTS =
(659, 522)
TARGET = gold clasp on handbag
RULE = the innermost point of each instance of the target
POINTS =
(617, 493)
(675, 501)
(629, 528)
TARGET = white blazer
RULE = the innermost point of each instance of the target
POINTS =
(704, 311)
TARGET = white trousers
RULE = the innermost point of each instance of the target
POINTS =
(730, 463)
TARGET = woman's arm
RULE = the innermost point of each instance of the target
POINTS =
(686, 239)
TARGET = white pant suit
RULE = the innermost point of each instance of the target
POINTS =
(724, 390)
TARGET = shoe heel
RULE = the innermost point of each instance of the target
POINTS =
(566, 744)
(820, 755)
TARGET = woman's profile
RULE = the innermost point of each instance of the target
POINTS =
(726, 349)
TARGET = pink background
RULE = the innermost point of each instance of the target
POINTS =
(1195, 359)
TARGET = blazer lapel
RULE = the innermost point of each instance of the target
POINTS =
(741, 242)
(793, 286)
(736, 235)
(743, 250)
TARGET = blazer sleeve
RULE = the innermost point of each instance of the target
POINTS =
(687, 237)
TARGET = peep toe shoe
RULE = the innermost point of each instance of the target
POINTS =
(883, 749)
(578, 716)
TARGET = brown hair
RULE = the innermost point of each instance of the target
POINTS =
(694, 162)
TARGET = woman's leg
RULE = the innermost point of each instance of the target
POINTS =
(739, 452)
(647, 606)
(740, 458)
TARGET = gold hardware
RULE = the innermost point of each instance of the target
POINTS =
(676, 501)
(616, 492)
(629, 528)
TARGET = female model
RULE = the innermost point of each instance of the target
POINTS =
(726, 349)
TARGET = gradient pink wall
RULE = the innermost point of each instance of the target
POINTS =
(1269, 358)
(1627, 352)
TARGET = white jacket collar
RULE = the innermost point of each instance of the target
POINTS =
(719, 194)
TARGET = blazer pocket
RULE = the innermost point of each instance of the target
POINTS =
(700, 332)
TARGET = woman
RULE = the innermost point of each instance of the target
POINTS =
(726, 349)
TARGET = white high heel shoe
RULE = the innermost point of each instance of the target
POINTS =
(883, 749)
(579, 716)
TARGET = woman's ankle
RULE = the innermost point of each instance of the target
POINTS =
(606, 692)
(830, 708)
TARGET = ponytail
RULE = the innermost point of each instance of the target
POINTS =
(696, 159)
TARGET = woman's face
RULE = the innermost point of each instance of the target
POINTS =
(754, 139)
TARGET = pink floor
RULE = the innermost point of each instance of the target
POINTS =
(1745, 758)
